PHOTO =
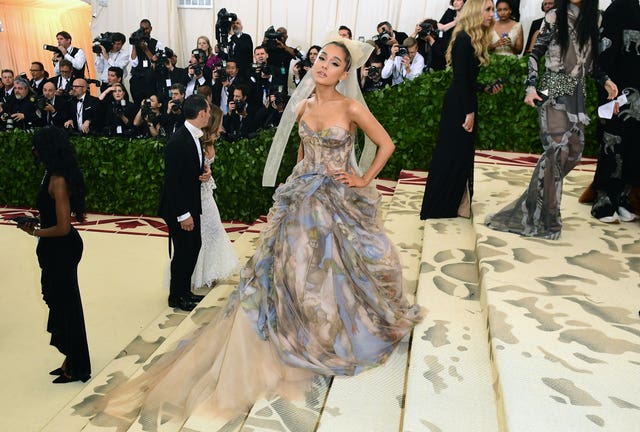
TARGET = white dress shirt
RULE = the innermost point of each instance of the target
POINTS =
(114, 59)
(396, 69)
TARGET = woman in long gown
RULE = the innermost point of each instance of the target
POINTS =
(321, 295)
(61, 194)
(507, 37)
(450, 182)
(568, 39)
(217, 258)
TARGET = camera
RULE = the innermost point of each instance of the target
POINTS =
(41, 102)
(427, 29)
(52, 48)
(222, 76)
(138, 36)
(94, 81)
(272, 37)
(147, 112)
(373, 70)
(223, 27)
(105, 39)
(382, 38)
(8, 120)
(402, 51)
(240, 105)
(176, 107)
(197, 69)
(118, 107)
(280, 96)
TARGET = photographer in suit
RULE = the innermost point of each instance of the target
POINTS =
(241, 48)
(180, 203)
(174, 117)
(55, 111)
(243, 119)
(168, 74)
(198, 73)
(280, 55)
(143, 58)
(21, 112)
(72, 54)
(84, 109)
(63, 81)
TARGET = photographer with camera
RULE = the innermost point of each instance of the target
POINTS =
(301, 67)
(149, 118)
(84, 109)
(174, 118)
(143, 57)
(260, 77)
(404, 62)
(167, 73)
(38, 77)
(277, 102)
(241, 49)
(371, 76)
(21, 112)
(109, 53)
(63, 81)
(118, 112)
(280, 55)
(242, 120)
(51, 110)
(224, 81)
(198, 74)
(387, 37)
(431, 45)
(65, 51)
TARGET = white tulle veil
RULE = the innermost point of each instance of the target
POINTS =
(349, 87)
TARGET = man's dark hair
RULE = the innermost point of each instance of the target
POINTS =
(65, 62)
(40, 65)
(193, 105)
(8, 71)
(262, 47)
(382, 23)
(118, 70)
(146, 21)
(240, 87)
(343, 27)
(64, 34)
(118, 37)
(180, 87)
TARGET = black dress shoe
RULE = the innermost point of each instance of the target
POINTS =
(58, 372)
(184, 303)
(63, 379)
(195, 298)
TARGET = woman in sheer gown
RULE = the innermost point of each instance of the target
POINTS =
(321, 295)
(217, 258)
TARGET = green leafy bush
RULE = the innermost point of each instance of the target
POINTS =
(124, 176)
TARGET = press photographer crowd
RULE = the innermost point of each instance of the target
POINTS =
(249, 83)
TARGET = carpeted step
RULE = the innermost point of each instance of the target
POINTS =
(563, 314)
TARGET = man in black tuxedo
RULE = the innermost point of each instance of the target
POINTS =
(84, 109)
(38, 77)
(63, 81)
(180, 203)
(56, 108)
(241, 49)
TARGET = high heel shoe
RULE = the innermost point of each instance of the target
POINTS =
(57, 372)
(63, 379)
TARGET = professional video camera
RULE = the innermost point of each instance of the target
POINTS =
(428, 29)
(272, 36)
(138, 37)
(105, 39)
(223, 27)
(52, 48)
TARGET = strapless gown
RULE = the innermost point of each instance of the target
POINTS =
(321, 295)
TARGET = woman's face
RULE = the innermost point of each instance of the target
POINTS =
(118, 93)
(203, 45)
(330, 65)
(487, 14)
(312, 55)
(504, 11)
(457, 4)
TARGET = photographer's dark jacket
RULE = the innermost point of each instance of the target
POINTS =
(241, 50)
(112, 121)
(58, 118)
(59, 82)
(24, 106)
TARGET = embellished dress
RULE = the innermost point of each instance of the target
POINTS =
(217, 258)
(321, 295)
(513, 34)
(562, 120)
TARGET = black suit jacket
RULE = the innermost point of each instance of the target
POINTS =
(181, 191)
(37, 88)
(91, 110)
(56, 80)
(241, 50)
(58, 118)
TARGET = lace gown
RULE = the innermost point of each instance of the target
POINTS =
(321, 295)
(217, 258)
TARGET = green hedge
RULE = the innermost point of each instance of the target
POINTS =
(124, 176)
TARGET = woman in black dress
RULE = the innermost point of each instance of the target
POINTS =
(450, 182)
(61, 195)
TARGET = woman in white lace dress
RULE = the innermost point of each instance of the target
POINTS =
(217, 259)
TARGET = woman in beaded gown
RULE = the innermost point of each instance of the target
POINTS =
(321, 295)
(217, 258)
(568, 39)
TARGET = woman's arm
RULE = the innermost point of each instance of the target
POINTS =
(517, 45)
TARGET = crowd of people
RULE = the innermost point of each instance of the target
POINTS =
(249, 83)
